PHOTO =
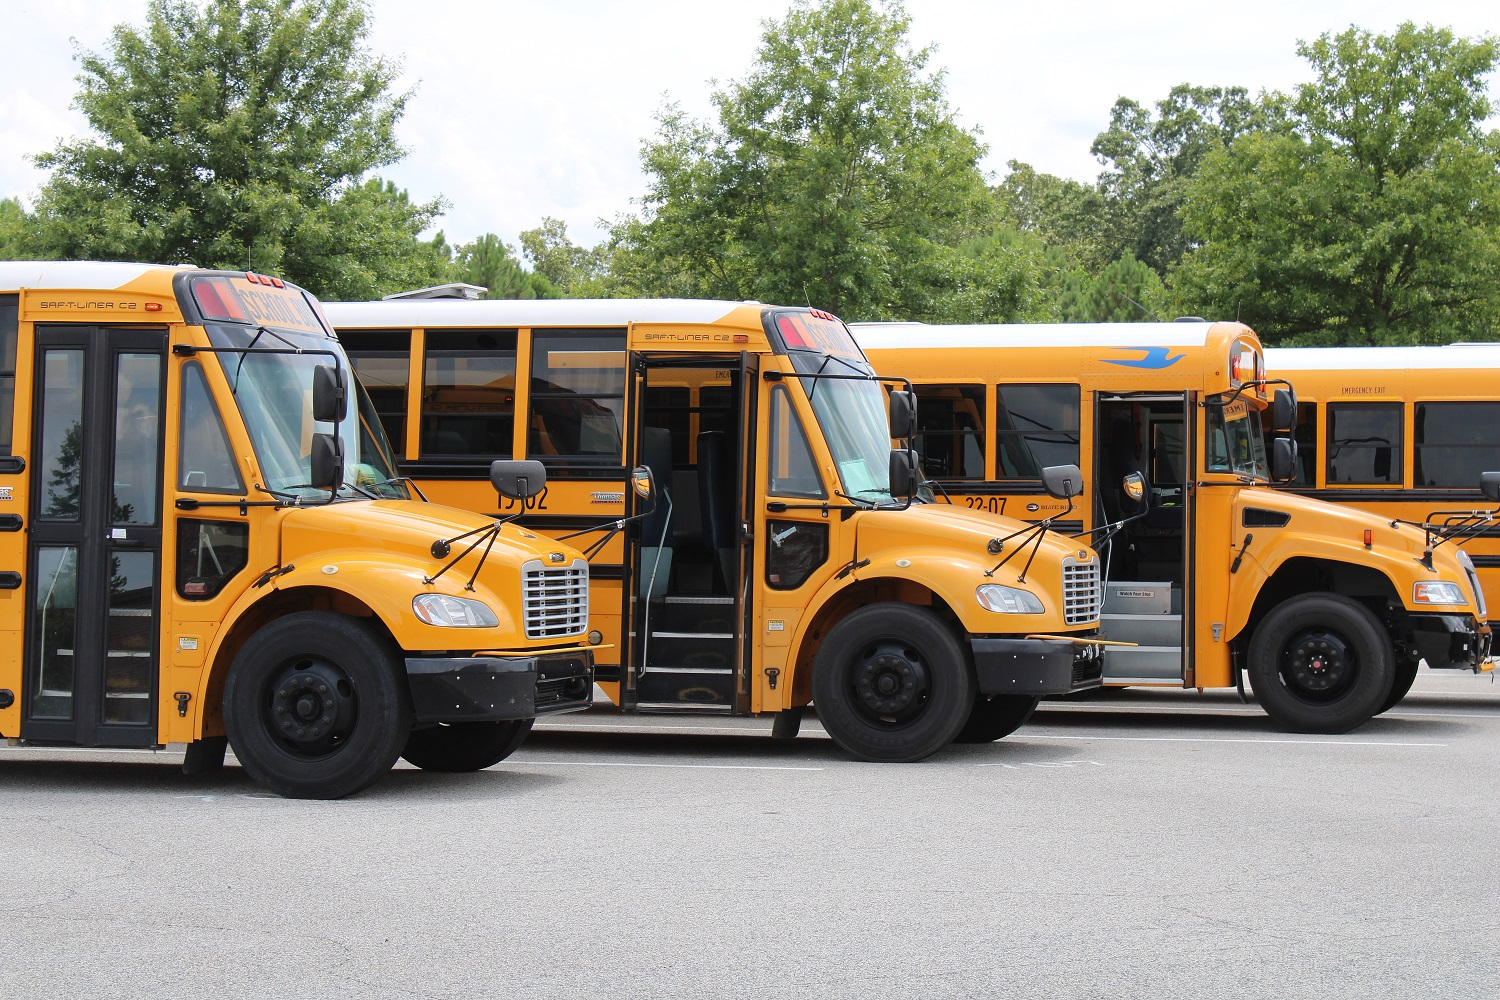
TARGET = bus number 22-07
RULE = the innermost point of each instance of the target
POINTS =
(538, 502)
(995, 505)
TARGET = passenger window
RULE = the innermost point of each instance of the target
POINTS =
(1455, 442)
(950, 430)
(794, 550)
(205, 462)
(1364, 443)
(209, 554)
(577, 395)
(1036, 426)
(8, 327)
(792, 471)
(381, 360)
(469, 394)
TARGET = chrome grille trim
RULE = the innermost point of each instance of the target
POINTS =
(555, 602)
(1082, 593)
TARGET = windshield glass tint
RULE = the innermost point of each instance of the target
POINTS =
(1235, 443)
(274, 395)
(852, 415)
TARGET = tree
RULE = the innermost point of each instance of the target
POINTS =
(1372, 214)
(238, 133)
(1059, 212)
(12, 229)
(488, 261)
(569, 268)
(835, 175)
(1125, 291)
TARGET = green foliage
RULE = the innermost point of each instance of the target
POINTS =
(1373, 214)
(1125, 291)
(490, 262)
(570, 269)
(237, 133)
(1060, 213)
(835, 175)
(12, 230)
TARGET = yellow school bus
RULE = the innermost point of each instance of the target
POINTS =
(203, 541)
(1212, 574)
(1404, 432)
(784, 560)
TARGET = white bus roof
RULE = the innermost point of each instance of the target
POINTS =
(1294, 359)
(526, 312)
(889, 336)
(16, 274)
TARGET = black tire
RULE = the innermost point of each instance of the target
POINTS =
(891, 683)
(271, 705)
(1321, 663)
(1406, 676)
(996, 716)
(459, 747)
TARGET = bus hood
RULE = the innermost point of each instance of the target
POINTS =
(1312, 516)
(966, 535)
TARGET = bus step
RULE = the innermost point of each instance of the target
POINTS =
(687, 690)
(670, 616)
(1145, 630)
(1142, 662)
(681, 708)
(1142, 597)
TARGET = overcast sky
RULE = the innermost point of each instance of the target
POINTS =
(526, 108)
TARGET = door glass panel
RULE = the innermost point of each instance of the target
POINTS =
(204, 461)
(54, 631)
(792, 472)
(137, 457)
(62, 434)
(130, 653)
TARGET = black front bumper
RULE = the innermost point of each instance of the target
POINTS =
(1037, 666)
(495, 688)
(1450, 641)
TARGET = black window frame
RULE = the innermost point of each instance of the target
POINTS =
(927, 399)
(10, 328)
(1419, 429)
(542, 390)
(1062, 436)
(466, 343)
(385, 344)
(1398, 446)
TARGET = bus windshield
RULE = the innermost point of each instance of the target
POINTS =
(274, 395)
(852, 415)
(1234, 442)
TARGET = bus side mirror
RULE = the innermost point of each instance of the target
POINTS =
(1284, 460)
(327, 462)
(903, 473)
(518, 480)
(903, 413)
(329, 402)
(1284, 411)
(640, 481)
(1489, 485)
(1062, 481)
(1134, 486)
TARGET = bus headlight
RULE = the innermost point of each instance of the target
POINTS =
(453, 612)
(1008, 600)
(1438, 592)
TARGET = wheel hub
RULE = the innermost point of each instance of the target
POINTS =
(890, 682)
(312, 708)
(1319, 662)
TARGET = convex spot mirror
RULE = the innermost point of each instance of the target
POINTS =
(903, 413)
(518, 480)
(1062, 481)
(1489, 485)
(1284, 460)
(903, 473)
(1284, 411)
(640, 481)
(327, 472)
(329, 401)
(1134, 486)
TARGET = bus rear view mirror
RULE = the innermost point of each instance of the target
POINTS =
(903, 474)
(903, 413)
(1283, 459)
(328, 396)
(640, 481)
(518, 480)
(1489, 485)
(1062, 481)
(327, 471)
(1134, 486)
(1284, 411)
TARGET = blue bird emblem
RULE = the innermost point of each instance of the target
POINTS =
(1155, 357)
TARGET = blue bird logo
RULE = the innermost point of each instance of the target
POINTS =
(1155, 357)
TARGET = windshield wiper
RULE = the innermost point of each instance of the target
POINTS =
(864, 504)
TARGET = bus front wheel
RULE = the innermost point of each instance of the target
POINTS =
(316, 705)
(1406, 676)
(891, 683)
(464, 746)
(996, 716)
(1321, 663)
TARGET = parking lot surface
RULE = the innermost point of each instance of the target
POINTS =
(1139, 843)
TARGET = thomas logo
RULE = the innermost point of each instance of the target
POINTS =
(1155, 357)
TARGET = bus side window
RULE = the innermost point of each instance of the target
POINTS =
(380, 360)
(209, 554)
(577, 401)
(205, 462)
(1455, 442)
(1306, 435)
(950, 431)
(1036, 427)
(469, 394)
(1364, 443)
(9, 312)
(792, 472)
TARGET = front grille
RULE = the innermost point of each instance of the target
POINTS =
(1082, 594)
(555, 601)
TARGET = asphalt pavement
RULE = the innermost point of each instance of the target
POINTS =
(1141, 843)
